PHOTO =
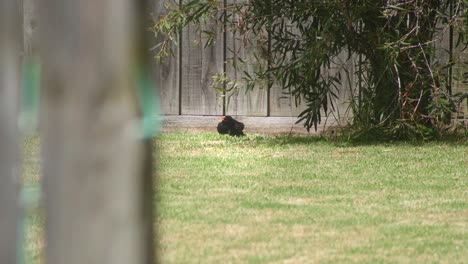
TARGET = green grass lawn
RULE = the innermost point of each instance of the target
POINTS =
(302, 200)
(260, 199)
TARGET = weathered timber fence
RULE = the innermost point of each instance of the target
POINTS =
(184, 80)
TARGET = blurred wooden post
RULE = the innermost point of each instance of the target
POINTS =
(96, 166)
(10, 44)
(29, 28)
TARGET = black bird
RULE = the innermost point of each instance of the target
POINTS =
(229, 125)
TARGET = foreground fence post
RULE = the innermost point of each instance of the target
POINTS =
(10, 44)
(96, 179)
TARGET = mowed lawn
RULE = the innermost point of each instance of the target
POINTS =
(267, 199)
(260, 199)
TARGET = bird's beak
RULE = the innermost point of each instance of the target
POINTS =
(223, 118)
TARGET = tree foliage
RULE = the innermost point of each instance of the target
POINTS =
(404, 88)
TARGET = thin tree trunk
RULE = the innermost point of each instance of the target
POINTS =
(96, 166)
(10, 40)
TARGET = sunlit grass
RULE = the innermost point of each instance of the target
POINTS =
(266, 199)
(304, 200)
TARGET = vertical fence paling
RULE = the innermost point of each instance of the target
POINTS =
(194, 99)
(10, 43)
(459, 70)
(253, 103)
(97, 177)
(198, 66)
(167, 72)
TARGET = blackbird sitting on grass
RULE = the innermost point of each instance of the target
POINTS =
(230, 126)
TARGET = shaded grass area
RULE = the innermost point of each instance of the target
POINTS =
(284, 199)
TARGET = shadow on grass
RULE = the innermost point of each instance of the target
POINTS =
(345, 142)
(290, 140)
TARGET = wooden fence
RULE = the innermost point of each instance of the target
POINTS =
(184, 80)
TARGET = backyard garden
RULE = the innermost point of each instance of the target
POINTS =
(349, 142)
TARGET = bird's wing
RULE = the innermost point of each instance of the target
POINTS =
(239, 125)
(222, 128)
